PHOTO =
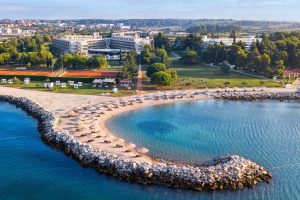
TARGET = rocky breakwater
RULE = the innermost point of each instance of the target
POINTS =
(230, 172)
(257, 96)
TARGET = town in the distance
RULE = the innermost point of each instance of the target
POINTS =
(121, 57)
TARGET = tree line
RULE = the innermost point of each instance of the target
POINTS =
(213, 28)
(26, 51)
(79, 61)
(271, 56)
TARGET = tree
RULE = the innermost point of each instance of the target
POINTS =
(80, 61)
(34, 58)
(173, 74)
(147, 54)
(190, 57)
(1, 59)
(98, 62)
(161, 41)
(265, 61)
(241, 60)
(23, 58)
(162, 56)
(180, 43)
(44, 55)
(233, 36)
(225, 67)
(279, 68)
(130, 65)
(155, 67)
(161, 78)
(47, 38)
(67, 60)
(6, 57)
(193, 42)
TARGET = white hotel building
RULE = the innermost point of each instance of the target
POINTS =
(90, 44)
(229, 41)
(78, 43)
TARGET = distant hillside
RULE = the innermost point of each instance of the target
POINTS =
(183, 24)
(214, 28)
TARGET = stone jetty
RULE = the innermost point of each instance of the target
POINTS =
(247, 96)
(229, 172)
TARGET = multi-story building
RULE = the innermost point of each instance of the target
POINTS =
(8, 32)
(85, 44)
(78, 43)
(229, 41)
(129, 42)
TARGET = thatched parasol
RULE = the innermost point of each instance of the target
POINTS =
(131, 146)
(121, 141)
(143, 150)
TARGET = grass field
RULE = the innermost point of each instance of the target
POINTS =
(86, 89)
(202, 76)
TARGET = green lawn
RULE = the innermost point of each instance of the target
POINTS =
(114, 66)
(200, 76)
(219, 83)
(202, 71)
(87, 89)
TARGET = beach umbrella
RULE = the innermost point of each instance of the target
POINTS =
(121, 141)
(72, 114)
(111, 137)
(99, 105)
(131, 146)
(143, 150)
(79, 128)
(122, 101)
(86, 112)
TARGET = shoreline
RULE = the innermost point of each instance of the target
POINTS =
(230, 172)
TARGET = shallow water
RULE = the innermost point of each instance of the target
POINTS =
(265, 132)
(31, 170)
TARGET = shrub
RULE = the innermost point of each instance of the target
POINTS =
(190, 57)
(161, 78)
(155, 67)
(173, 74)
(225, 67)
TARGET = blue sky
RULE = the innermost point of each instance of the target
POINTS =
(115, 9)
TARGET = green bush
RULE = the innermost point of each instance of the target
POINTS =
(173, 74)
(190, 57)
(161, 78)
(155, 67)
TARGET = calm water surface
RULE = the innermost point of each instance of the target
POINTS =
(268, 133)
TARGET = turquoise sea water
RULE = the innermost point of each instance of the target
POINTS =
(268, 133)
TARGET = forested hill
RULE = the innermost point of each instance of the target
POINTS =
(258, 26)
(214, 28)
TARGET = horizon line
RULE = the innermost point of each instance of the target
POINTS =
(116, 19)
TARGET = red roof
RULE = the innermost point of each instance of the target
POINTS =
(291, 71)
